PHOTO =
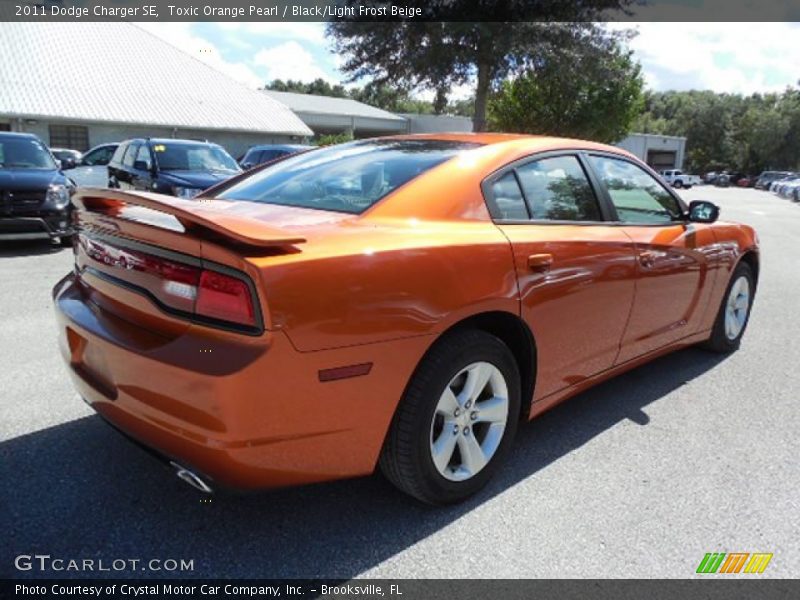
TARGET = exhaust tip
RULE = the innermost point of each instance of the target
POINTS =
(192, 478)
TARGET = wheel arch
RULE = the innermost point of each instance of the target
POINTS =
(515, 334)
(751, 259)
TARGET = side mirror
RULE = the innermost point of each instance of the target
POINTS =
(246, 165)
(701, 211)
(68, 163)
(141, 165)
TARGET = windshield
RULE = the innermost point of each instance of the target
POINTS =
(345, 178)
(193, 157)
(24, 153)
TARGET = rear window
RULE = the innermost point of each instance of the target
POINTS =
(193, 157)
(344, 178)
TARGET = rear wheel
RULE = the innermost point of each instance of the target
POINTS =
(456, 420)
(734, 313)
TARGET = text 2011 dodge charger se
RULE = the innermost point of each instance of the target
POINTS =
(401, 302)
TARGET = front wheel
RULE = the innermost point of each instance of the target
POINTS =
(734, 313)
(456, 420)
(678, 184)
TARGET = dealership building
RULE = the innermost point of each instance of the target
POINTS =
(76, 85)
(661, 152)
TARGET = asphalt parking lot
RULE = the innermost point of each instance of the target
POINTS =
(639, 477)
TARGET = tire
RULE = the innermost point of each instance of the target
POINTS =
(407, 458)
(65, 241)
(722, 340)
(678, 184)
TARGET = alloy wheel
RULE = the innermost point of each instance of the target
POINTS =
(736, 308)
(469, 421)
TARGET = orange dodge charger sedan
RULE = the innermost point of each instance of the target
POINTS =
(402, 302)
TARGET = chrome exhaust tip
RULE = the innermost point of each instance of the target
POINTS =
(192, 478)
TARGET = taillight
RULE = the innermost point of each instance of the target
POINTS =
(221, 296)
(190, 289)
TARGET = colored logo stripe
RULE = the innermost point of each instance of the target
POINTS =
(711, 562)
(758, 562)
(734, 562)
(717, 561)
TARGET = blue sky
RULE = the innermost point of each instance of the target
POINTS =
(724, 57)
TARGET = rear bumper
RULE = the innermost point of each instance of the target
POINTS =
(247, 413)
(31, 228)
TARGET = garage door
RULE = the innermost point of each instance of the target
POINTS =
(661, 160)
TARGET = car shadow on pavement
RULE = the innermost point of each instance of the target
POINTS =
(29, 248)
(80, 490)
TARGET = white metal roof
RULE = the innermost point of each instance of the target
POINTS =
(330, 105)
(120, 73)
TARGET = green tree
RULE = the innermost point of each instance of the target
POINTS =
(440, 55)
(728, 131)
(593, 92)
(392, 98)
(319, 87)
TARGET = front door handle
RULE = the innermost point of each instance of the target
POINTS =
(647, 259)
(540, 262)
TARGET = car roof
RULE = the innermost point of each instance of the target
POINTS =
(532, 143)
(457, 183)
(171, 141)
(18, 135)
(280, 146)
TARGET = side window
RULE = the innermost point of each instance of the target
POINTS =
(143, 155)
(119, 154)
(507, 201)
(637, 196)
(130, 155)
(557, 189)
(99, 157)
(268, 155)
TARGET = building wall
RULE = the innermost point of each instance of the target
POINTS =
(659, 151)
(357, 126)
(236, 143)
(438, 123)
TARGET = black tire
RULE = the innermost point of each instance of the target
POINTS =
(406, 456)
(678, 184)
(719, 341)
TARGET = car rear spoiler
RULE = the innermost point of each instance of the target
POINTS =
(212, 215)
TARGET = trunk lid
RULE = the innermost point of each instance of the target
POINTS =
(140, 255)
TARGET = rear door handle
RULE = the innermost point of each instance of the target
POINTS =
(540, 262)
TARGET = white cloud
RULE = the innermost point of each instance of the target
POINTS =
(723, 57)
(180, 36)
(290, 60)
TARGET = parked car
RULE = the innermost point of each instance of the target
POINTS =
(66, 157)
(768, 177)
(92, 169)
(678, 179)
(775, 185)
(258, 155)
(785, 187)
(401, 302)
(34, 193)
(182, 168)
(722, 180)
